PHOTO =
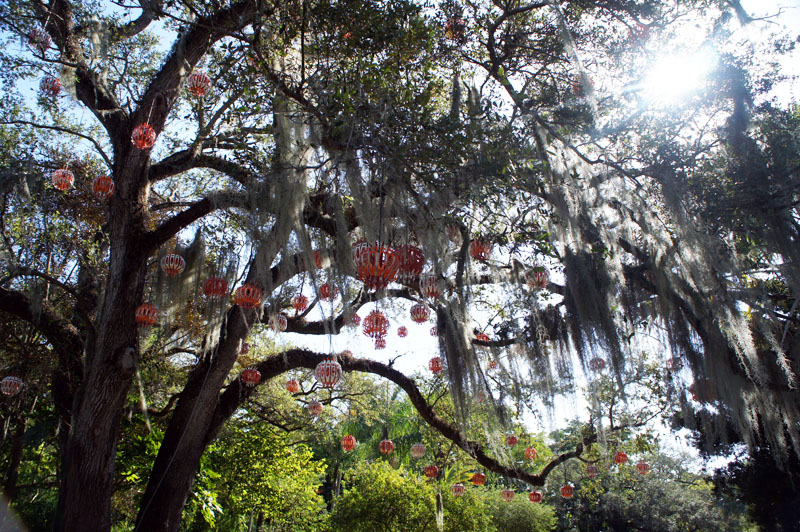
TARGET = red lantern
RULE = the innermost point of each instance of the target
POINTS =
(507, 495)
(431, 471)
(511, 440)
(278, 322)
(352, 320)
(478, 479)
(492, 364)
(172, 264)
(538, 278)
(376, 324)
(386, 446)
(481, 337)
(359, 251)
(39, 39)
(419, 313)
(300, 303)
(402, 331)
(315, 408)
(317, 259)
(642, 467)
(251, 377)
(530, 453)
(215, 288)
(247, 296)
(328, 292)
(198, 83)
(620, 458)
(429, 286)
(411, 262)
(458, 489)
(597, 363)
(62, 179)
(535, 496)
(380, 343)
(103, 187)
(143, 136)
(146, 315)
(592, 471)
(10, 385)
(480, 249)
(50, 86)
(377, 266)
(244, 349)
(348, 443)
(567, 491)
(292, 386)
(435, 365)
(434, 331)
(328, 372)
(417, 450)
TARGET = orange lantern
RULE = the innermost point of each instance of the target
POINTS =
(62, 179)
(530, 453)
(419, 313)
(377, 266)
(376, 324)
(511, 440)
(417, 450)
(10, 385)
(592, 471)
(50, 86)
(535, 496)
(429, 286)
(458, 489)
(215, 288)
(103, 187)
(146, 315)
(620, 458)
(435, 365)
(567, 491)
(478, 479)
(431, 471)
(481, 337)
(507, 495)
(198, 83)
(386, 446)
(328, 372)
(247, 296)
(315, 408)
(480, 249)
(411, 262)
(299, 303)
(251, 377)
(143, 136)
(328, 292)
(348, 443)
(292, 386)
(172, 264)
(402, 331)
(642, 467)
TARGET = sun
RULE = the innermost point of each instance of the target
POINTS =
(676, 76)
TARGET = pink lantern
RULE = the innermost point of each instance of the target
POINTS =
(376, 325)
(251, 377)
(198, 83)
(592, 471)
(352, 319)
(172, 264)
(10, 385)
(315, 408)
(642, 467)
(380, 343)
(143, 136)
(507, 495)
(215, 288)
(103, 187)
(244, 349)
(386, 446)
(402, 331)
(419, 313)
(328, 372)
(411, 262)
(39, 39)
(434, 331)
(62, 179)
(458, 489)
(417, 450)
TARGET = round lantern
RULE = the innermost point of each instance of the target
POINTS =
(417, 450)
(251, 377)
(172, 264)
(535, 496)
(352, 319)
(376, 325)
(292, 386)
(10, 385)
(50, 86)
(402, 331)
(38, 38)
(278, 322)
(492, 364)
(377, 266)
(434, 331)
(530, 453)
(458, 489)
(480, 249)
(300, 303)
(215, 288)
(507, 495)
(328, 292)
(386, 446)
(620, 458)
(359, 251)
(62, 179)
(481, 337)
(103, 187)
(419, 313)
(567, 491)
(247, 296)
(315, 408)
(597, 363)
(328, 372)
(435, 365)
(348, 443)
(143, 136)
(411, 262)
(431, 471)
(511, 440)
(478, 479)
(244, 349)
(198, 83)
(592, 471)
(146, 315)
(380, 343)
(642, 467)
(538, 278)
(429, 286)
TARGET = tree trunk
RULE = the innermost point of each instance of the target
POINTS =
(10, 484)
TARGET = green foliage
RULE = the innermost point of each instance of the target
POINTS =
(520, 515)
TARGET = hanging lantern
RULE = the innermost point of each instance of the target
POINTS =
(458, 489)
(62, 179)
(351, 319)
(377, 266)
(348, 443)
(492, 364)
(244, 349)
(567, 491)
(143, 136)
(315, 408)
(10, 385)
(299, 303)
(429, 286)
(620, 458)
(530, 453)
(434, 331)
(278, 322)
(39, 39)
(419, 313)
(597, 363)
(146, 315)
(328, 292)
(478, 479)
(480, 249)
(507, 495)
(431, 471)
(215, 288)
(481, 337)
(417, 450)
(435, 365)
(198, 83)
(172, 264)
(103, 187)
(50, 86)
(376, 325)
(247, 296)
(592, 471)
(402, 331)
(412, 261)
(538, 278)
(535, 496)
(317, 259)
(251, 377)
(386, 446)
(359, 251)
(511, 440)
(328, 372)
(642, 467)
(380, 343)
(292, 386)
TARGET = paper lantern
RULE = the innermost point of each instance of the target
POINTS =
(299, 303)
(315, 408)
(620, 458)
(592, 471)
(39, 39)
(251, 377)
(328, 292)
(143, 136)
(146, 315)
(478, 479)
(642, 467)
(429, 286)
(417, 450)
(402, 331)
(62, 179)
(328, 372)
(10, 385)
(434, 331)
(247, 296)
(292, 386)
(377, 266)
(507, 495)
(244, 349)
(535, 496)
(348, 443)
(50, 86)
(481, 337)
(412, 261)
(530, 453)
(419, 313)
(567, 491)
(172, 264)
(492, 364)
(376, 324)
(103, 187)
(278, 322)
(380, 343)
(458, 489)
(317, 259)
(538, 278)
(435, 365)
(352, 319)
(511, 440)
(198, 83)
(597, 363)
(215, 288)
(431, 471)
(480, 249)
(386, 446)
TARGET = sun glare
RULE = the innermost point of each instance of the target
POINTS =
(675, 77)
